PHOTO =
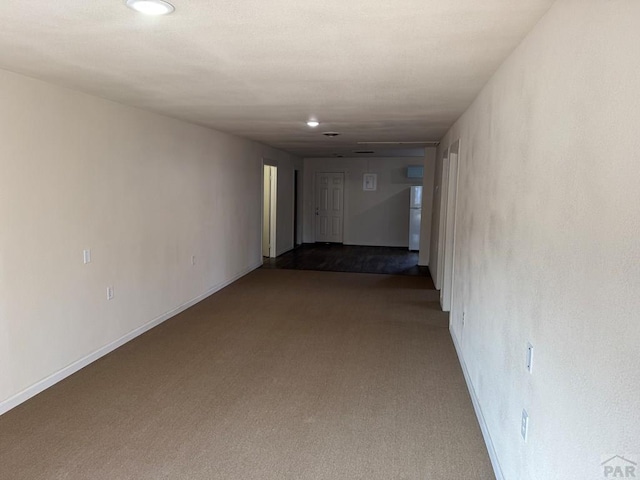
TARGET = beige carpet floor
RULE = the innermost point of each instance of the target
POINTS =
(283, 375)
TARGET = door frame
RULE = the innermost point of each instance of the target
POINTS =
(444, 189)
(273, 207)
(446, 293)
(296, 199)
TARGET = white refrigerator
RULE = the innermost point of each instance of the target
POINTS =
(415, 215)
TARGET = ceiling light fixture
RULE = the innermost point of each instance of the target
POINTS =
(150, 7)
(313, 123)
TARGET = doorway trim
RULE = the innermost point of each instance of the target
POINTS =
(296, 209)
(316, 204)
(444, 188)
(446, 293)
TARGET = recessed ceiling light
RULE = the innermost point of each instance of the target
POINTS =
(151, 7)
(313, 123)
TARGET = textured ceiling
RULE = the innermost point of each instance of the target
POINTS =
(374, 70)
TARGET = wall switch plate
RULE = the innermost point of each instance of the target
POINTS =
(524, 425)
(86, 256)
(193, 259)
(109, 293)
(529, 357)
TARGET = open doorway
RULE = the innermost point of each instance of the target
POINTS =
(269, 209)
(449, 234)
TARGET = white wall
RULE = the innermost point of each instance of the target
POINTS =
(143, 192)
(427, 205)
(379, 218)
(547, 246)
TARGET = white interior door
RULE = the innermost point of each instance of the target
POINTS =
(446, 293)
(329, 210)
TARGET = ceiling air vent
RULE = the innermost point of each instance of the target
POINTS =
(331, 134)
(365, 151)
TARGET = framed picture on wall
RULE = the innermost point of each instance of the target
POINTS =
(370, 182)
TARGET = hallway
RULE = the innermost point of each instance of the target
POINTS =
(285, 374)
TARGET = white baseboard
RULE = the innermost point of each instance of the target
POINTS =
(54, 378)
(493, 456)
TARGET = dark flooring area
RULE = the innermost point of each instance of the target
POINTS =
(349, 258)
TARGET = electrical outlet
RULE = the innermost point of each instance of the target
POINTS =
(464, 317)
(193, 259)
(529, 358)
(524, 426)
(109, 293)
(86, 256)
